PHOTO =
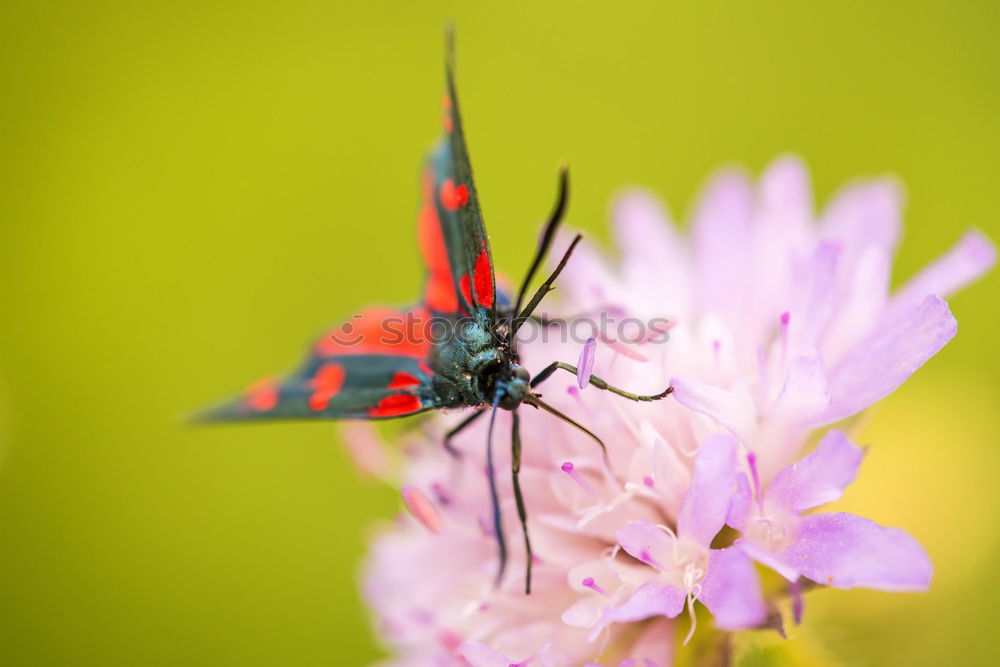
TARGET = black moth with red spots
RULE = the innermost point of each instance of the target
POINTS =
(365, 369)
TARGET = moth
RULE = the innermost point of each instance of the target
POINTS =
(386, 363)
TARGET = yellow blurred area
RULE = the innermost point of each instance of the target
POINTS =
(190, 190)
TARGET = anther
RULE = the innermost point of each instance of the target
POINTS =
(421, 508)
(585, 367)
(570, 470)
(646, 557)
(594, 586)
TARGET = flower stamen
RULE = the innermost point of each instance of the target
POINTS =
(594, 586)
(570, 470)
(422, 509)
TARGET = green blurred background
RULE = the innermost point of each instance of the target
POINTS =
(190, 190)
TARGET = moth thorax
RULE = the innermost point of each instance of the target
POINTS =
(476, 337)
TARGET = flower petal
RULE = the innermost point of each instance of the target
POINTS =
(861, 300)
(785, 193)
(706, 503)
(478, 654)
(653, 598)
(813, 298)
(844, 551)
(740, 503)
(970, 258)
(647, 542)
(584, 613)
(864, 214)
(819, 477)
(804, 397)
(653, 253)
(655, 647)
(733, 411)
(889, 357)
(721, 229)
(768, 559)
(731, 590)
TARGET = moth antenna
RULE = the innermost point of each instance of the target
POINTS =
(543, 290)
(534, 400)
(548, 235)
(449, 45)
(494, 496)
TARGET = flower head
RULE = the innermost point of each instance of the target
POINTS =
(781, 323)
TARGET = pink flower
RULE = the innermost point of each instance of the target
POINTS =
(781, 323)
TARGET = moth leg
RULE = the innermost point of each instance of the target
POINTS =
(597, 382)
(537, 402)
(522, 513)
(494, 494)
(458, 429)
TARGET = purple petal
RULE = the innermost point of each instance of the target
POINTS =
(655, 640)
(740, 503)
(970, 258)
(653, 252)
(888, 358)
(805, 397)
(643, 229)
(731, 590)
(481, 655)
(844, 551)
(819, 477)
(585, 367)
(721, 231)
(813, 298)
(645, 541)
(785, 191)
(588, 281)
(768, 559)
(706, 504)
(863, 215)
(653, 598)
(733, 411)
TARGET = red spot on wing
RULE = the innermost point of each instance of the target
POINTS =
(262, 395)
(482, 277)
(403, 379)
(440, 291)
(379, 331)
(326, 384)
(453, 197)
(395, 405)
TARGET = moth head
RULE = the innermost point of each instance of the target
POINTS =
(517, 387)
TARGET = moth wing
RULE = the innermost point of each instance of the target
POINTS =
(370, 367)
(452, 235)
